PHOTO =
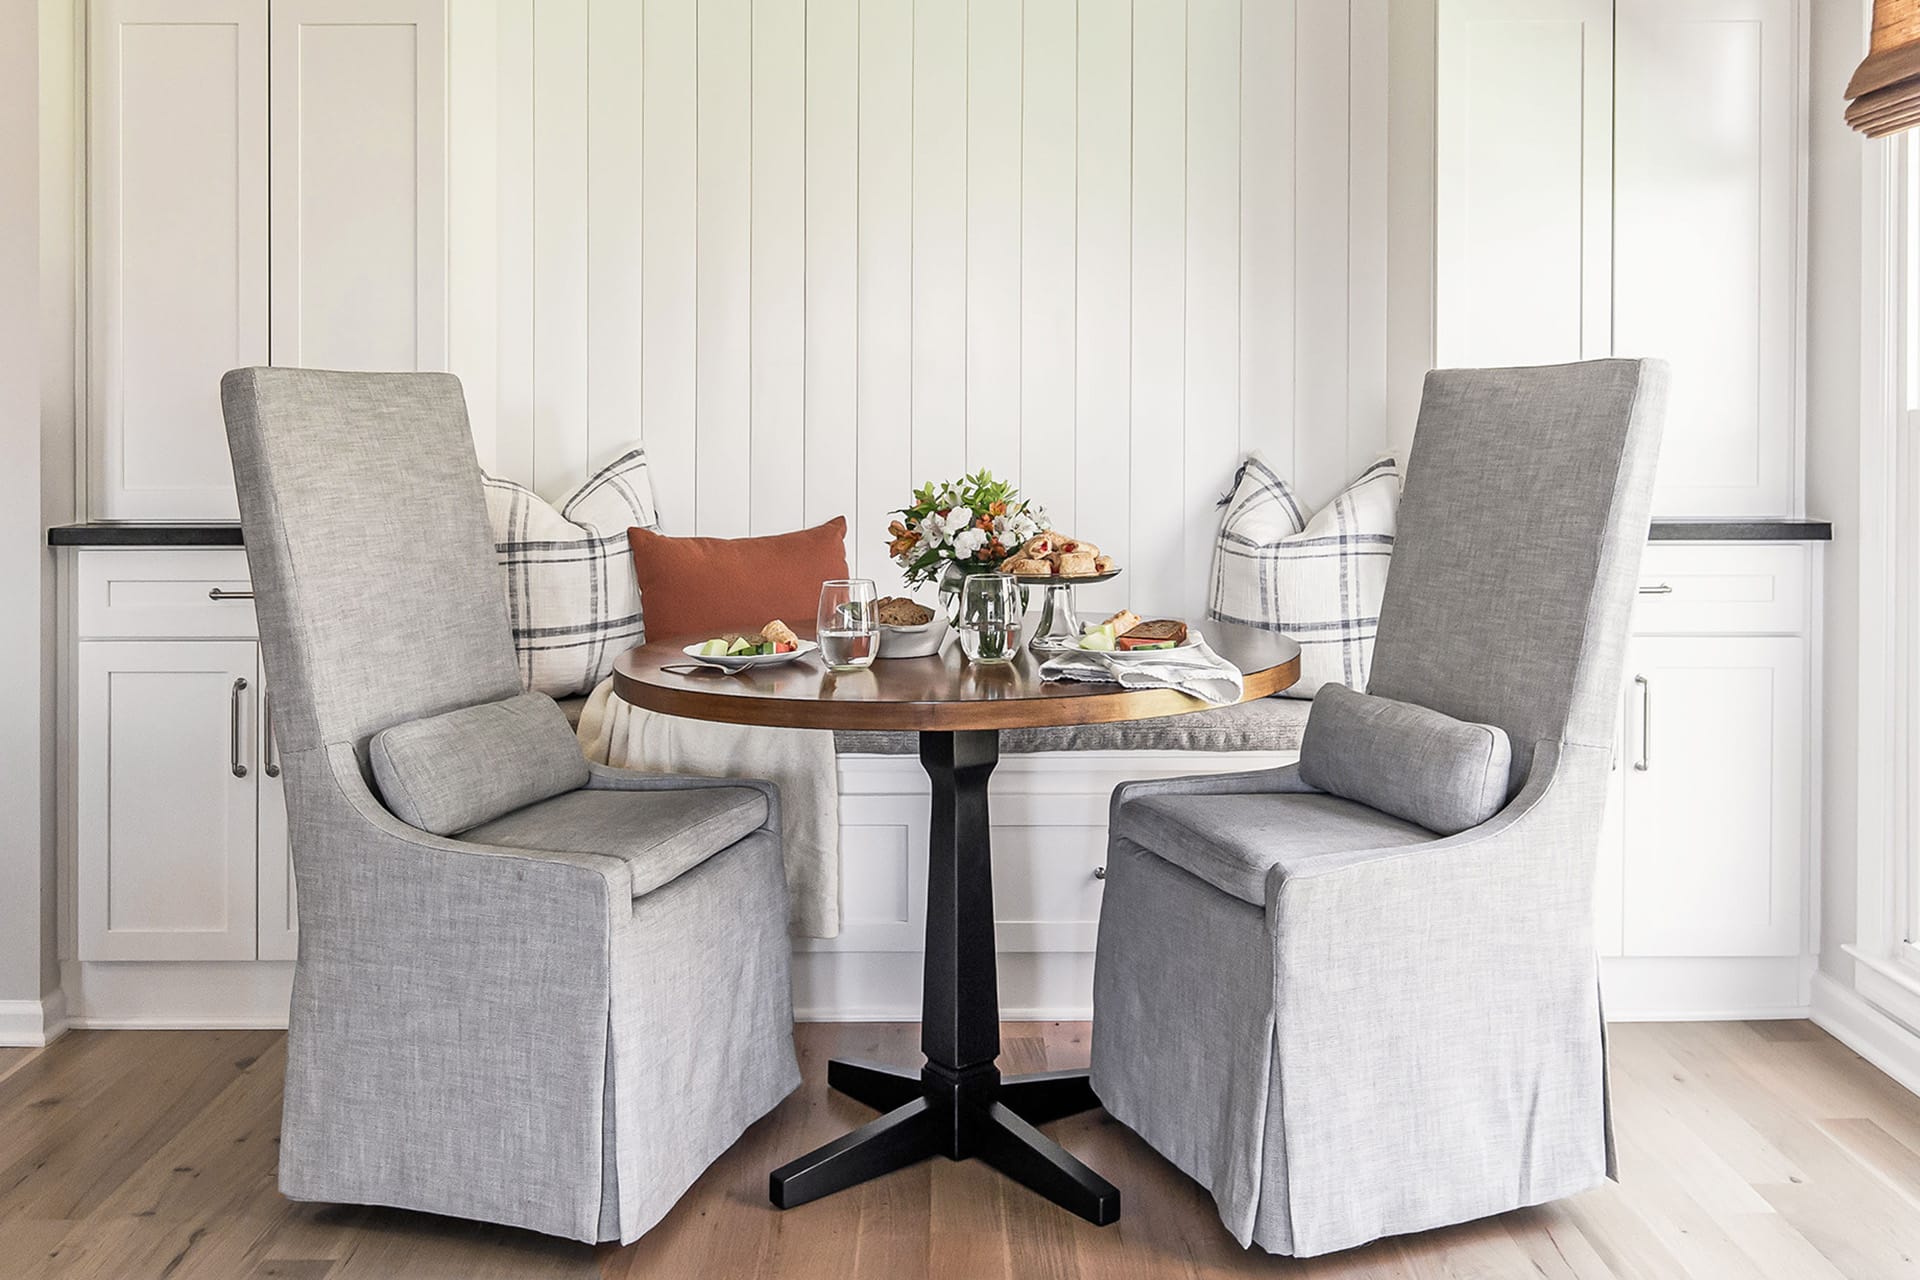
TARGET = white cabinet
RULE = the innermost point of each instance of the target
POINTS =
(1715, 795)
(167, 799)
(1621, 177)
(177, 246)
(181, 844)
(1525, 110)
(359, 175)
(1705, 221)
(267, 184)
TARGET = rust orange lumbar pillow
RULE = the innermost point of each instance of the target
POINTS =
(693, 587)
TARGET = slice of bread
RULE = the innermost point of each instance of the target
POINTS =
(902, 611)
(1161, 633)
(1122, 622)
(779, 632)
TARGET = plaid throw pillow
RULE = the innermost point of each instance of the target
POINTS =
(1319, 579)
(571, 593)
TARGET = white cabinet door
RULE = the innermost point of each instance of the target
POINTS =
(1524, 182)
(166, 795)
(279, 932)
(1715, 795)
(359, 184)
(177, 247)
(1706, 216)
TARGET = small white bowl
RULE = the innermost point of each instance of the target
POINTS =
(913, 642)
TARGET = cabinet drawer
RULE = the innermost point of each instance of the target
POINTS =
(1722, 589)
(163, 593)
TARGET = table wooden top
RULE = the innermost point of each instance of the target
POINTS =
(940, 692)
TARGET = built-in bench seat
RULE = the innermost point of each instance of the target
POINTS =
(1265, 724)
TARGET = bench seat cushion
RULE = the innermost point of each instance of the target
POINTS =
(1265, 724)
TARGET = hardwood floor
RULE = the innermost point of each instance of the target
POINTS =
(1747, 1149)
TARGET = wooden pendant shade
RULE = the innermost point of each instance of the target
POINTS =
(1885, 90)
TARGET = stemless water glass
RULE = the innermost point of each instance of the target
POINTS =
(849, 626)
(989, 623)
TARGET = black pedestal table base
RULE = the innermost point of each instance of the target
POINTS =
(957, 1105)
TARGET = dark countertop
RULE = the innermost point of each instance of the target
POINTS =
(101, 533)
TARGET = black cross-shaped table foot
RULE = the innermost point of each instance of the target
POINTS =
(957, 1105)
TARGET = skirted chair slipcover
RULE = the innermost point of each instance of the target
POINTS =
(556, 1020)
(1345, 1026)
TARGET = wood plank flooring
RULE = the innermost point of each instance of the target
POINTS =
(1747, 1149)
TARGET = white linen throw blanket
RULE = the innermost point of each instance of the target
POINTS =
(798, 761)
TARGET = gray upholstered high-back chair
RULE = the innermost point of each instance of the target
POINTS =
(504, 1006)
(1343, 1024)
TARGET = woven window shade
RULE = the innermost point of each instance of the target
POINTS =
(1885, 91)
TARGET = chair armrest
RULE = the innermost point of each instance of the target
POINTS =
(607, 778)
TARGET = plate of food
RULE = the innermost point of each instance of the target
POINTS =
(773, 643)
(1126, 635)
(908, 629)
(1055, 557)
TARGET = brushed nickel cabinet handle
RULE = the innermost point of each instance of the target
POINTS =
(233, 727)
(1660, 589)
(1099, 873)
(269, 753)
(221, 593)
(1646, 724)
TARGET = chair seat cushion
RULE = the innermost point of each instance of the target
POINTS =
(660, 834)
(448, 772)
(1264, 724)
(1231, 841)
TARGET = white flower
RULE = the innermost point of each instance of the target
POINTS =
(968, 541)
(959, 518)
(933, 530)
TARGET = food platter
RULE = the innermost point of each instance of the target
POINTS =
(1060, 580)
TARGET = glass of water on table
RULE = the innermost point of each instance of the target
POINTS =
(848, 625)
(989, 626)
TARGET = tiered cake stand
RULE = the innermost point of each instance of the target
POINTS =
(1059, 627)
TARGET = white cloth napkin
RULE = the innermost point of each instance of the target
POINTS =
(1195, 670)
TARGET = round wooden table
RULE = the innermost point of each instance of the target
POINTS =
(957, 1104)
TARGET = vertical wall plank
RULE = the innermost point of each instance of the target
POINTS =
(559, 245)
(473, 215)
(778, 274)
(669, 243)
(1103, 337)
(1048, 122)
(939, 90)
(884, 456)
(723, 360)
(994, 101)
(613, 228)
(1367, 429)
(1319, 463)
(1267, 125)
(513, 424)
(1212, 435)
(1157, 552)
(832, 259)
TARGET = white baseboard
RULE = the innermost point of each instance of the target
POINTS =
(1873, 1035)
(884, 986)
(32, 1023)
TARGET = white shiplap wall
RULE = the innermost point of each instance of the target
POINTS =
(816, 251)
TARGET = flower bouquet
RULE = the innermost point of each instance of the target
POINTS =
(969, 525)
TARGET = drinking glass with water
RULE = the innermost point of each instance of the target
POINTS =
(848, 624)
(989, 626)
